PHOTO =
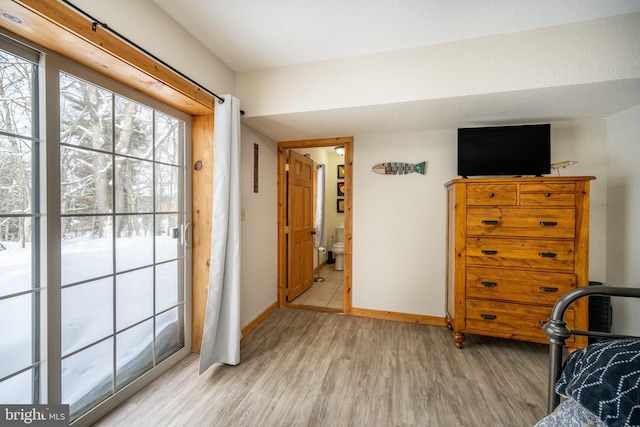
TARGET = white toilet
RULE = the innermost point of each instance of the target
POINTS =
(338, 248)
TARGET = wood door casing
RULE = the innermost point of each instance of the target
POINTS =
(283, 148)
(301, 225)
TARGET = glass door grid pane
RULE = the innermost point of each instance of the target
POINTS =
(128, 240)
(20, 320)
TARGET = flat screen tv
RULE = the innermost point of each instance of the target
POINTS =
(504, 150)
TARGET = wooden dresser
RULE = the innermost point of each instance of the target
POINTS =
(514, 246)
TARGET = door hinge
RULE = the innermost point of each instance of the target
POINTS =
(286, 167)
(286, 229)
(286, 292)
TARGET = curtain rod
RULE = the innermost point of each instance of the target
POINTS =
(94, 25)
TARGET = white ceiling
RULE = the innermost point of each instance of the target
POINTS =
(260, 34)
(257, 34)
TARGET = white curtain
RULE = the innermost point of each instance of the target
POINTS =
(222, 333)
(318, 237)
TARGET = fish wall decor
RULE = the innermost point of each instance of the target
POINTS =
(397, 168)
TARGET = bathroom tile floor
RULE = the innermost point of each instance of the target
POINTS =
(327, 294)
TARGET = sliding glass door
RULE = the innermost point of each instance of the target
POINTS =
(122, 214)
(93, 220)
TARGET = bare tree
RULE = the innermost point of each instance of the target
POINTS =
(16, 78)
(86, 172)
(133, 123)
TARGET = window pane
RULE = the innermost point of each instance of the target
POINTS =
(87, 250)
(134, 241)
(85, 181)
(134, 297)
(15, 176)
(16, 334)
(134, 185)
(134, 353)
(18, 161)
(168, 139)
(167, 185)
(167, 246)
(16, 79)
(15, 255)
(18, 389)
(120, 162)
(134, 129)
(85, 114)
(87, 377)
(169, 338)
(167, 286)
(87, 313)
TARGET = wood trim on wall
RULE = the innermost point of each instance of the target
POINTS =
(283, 146)
(258, 320)
(399, 317)
(65, 32)
(202, 209)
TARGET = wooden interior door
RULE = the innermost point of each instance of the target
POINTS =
(301, 225)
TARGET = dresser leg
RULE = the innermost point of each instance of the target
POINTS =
(458, 338)
(449, 325)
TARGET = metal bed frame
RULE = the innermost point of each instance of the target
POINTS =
(558, 332)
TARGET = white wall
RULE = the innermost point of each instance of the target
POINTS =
(600, 50)
(259, 227)
(399, 222)
(585, 142)
(144, 23)
(623, 215)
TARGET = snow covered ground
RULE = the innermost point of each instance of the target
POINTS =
(91, 310)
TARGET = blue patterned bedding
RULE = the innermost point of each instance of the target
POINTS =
(603, 379)
(570, 414)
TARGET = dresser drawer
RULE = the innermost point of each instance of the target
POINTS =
(544, 194)
(524, 222)
(544, 254)
(510, 320)
(492, 194)
(533, 287)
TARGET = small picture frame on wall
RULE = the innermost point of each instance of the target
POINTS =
(340, 206)
(341, 189)
(340, 171)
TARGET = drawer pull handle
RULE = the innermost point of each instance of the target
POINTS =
(489, 221)
(491, 195)
(488, 316)
(488, 252)
(547, 254)
(489, 284)
(548, 223)
(547, 194)
(548, 289)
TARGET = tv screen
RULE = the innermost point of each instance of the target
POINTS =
(504, 150)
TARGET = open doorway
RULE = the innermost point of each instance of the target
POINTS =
(285, 235)
(323, 287)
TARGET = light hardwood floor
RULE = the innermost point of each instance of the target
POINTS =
(309, 368)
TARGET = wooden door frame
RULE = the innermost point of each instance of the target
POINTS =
(283, 146)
